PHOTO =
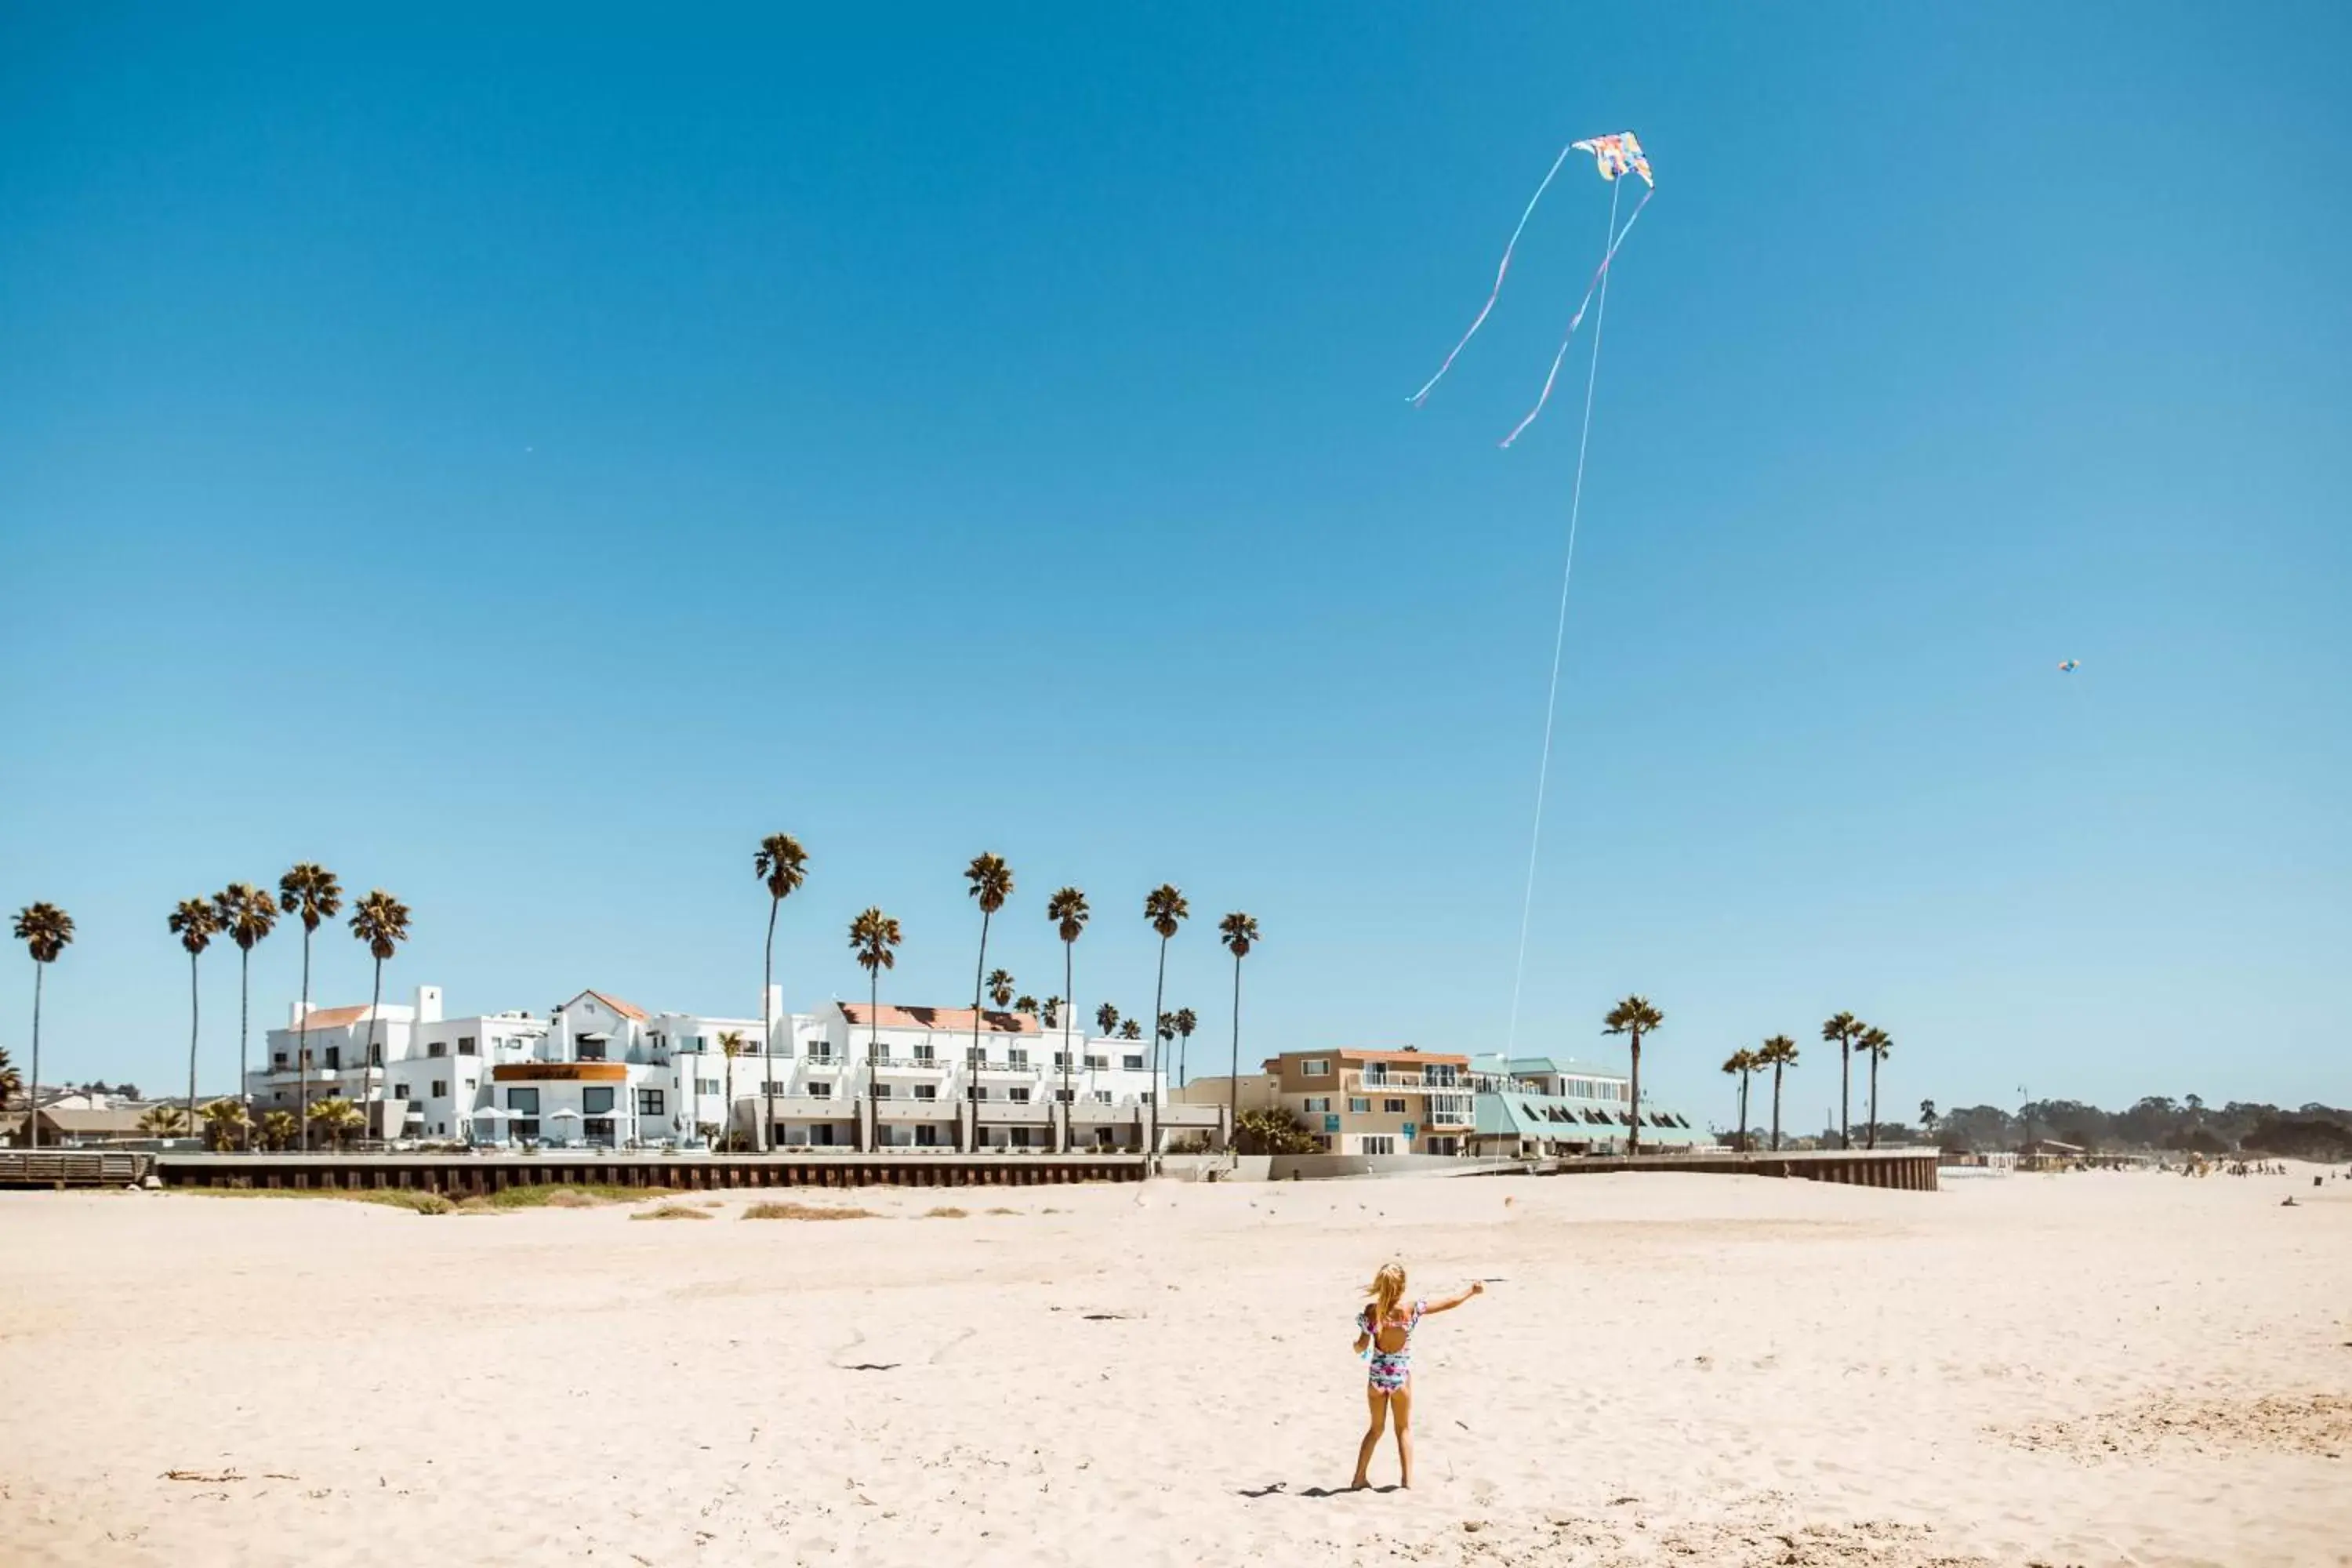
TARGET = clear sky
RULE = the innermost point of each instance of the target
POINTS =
(518, 455)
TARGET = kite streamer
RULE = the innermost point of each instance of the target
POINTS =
(1600, 275)
(1418, 398)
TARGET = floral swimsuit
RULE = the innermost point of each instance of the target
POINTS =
(1389, 1371)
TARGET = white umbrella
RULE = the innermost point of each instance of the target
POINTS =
(567, 1114)
(493, 1113)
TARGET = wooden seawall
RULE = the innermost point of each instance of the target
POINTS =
(1910, 1170)
(464, 1175)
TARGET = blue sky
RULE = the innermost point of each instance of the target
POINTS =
(519, 460)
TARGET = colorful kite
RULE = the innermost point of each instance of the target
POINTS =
(2069, 666)
(1617, 154)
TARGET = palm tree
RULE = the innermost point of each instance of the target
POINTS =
(872, 936)
(336, 1117)
(1742, 1063)
(195, 923)
(1024, 1003)
(1636, 1017)
(277, 1128)
(1165, 1034)
(1927, 1118)
(990, 882)
(1238, 932)
(1068, 910)
(310, 891)
(1186, 1022)
(247, 914)
(380, 920)
(1000, 987)
(1049, 1012)
(1842, 1030)
(730, 1046)
(1777, 1053)
(783, 865)
(1107, 1019)
(45, 930)
(225, 1122)
(1164, 910)
(1875, 1043)
(164, 1121)
(1130, 1030)
(12, 1082)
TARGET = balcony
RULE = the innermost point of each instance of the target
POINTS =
(1375, 1082)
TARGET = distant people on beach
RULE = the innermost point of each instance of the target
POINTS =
(1384, 1331)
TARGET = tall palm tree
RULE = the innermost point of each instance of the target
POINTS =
(1842, 1030)
(1165, 911)
(247, 914)
(1000, 987)
(1778, 1052)
(226, 1121)
(1107, 1019)
(196, 922)
(1131, 1029)
(1186, 1021)
(872, 936)
(783, 865)
(1024, 1003)
(310, 891)
(1636, 1017)
(990, 882)
(1164, 1036)
(1927, 1116)
(1238, 932)
(45, 930)
(1875, 1043)
(731, 1044)
(380, 922)
(1742, 1063)
(1068, 910)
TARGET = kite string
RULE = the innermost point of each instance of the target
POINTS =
(1560, 632)
(1500, 272)
(1599, 281)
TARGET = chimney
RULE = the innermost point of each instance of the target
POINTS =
(294, 1011)
(428, 1004)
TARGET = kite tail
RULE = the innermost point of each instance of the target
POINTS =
(1500, 273)
(1578, 320)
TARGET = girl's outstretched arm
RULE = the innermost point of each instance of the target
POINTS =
(1476, 1287)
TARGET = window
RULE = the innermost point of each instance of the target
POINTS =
(1065, 1095)
(1315, 1067)
(277, 1059)
(1132, 1064)
(334, 1056)
(1378, 1143)
(440, 1088)
(1016, 1058)
(399, 1091)
(926, 1135)
(820, 1050)
(927, 1092)
(979, 1091)
(649, 1102)
(1316, 1104)
(924, 1056)
(375, 1056)
(706, 1085)
(1394, 1105)
(596, 1127)
(1018, 1094)
(882, 1091)
(589, 1050)
(1102, 1097)
(819, 1090)
(1359, 1105)
(596, 1101)
(523, 1102)
(437, 1047)
(466, 1045)
(527, 1128)
(1097, 1064)
(1061, 1060)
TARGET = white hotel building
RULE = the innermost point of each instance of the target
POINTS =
(600, 1071)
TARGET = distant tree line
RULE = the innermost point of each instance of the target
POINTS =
(2157, 1123)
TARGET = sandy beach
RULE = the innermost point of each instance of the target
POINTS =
(2079, 1369)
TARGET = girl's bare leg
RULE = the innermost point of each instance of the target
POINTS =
(1377, 1404)
(1400, 1403)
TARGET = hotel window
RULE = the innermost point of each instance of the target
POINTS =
(527, 1128)
(596, 1127)
(1065, 1095)
(440, 1088)
(820, 1050)
(975, 1056)
(1315, 1067)
(649, 1102)
(881, 1091)
(819, 1090)
(590, 1050)
(596, 1101)
(1359, 1105)
(927, 1092)
(277, 1059)
(1016, 1058)
(334, 1056)
(1132, 1064)
(979, 1091)
(1061, 1060)
(437, 1047)
(1102, 1097)
(706, 1085)
(466, 1045)
(1097, 1064)
(1378, 1143)
(399, 1091)
(1018, 1094)
(1394, 1107)
(523, 1102)
(924, 1056)
(1316, 1104)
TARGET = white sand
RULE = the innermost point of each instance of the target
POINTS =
(2084, 1369)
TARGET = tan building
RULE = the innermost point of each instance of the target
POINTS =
(1378, 1102)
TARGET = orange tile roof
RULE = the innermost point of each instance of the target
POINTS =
(1438, 1058)
(625, 1009)
(947, 1018)
(330, 1017)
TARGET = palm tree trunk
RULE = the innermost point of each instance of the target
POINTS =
(1069, 1004)
(727, 1116)
(1233, 1081)
(867, 1140)
(1845, 1092)
(1152, 1094)
(367, 1062)
(1743, 1110)
(303, 1041)
(243, 1029)
(971, 1061)
(767, 1033)
(1776, 1108)
(33, 1089)
(1871, 1134)
(1633, 1145)
(193, 1005)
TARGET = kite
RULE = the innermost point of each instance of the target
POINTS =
(1613, 157)
(2069, 666)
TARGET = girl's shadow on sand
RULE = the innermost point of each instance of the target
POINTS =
(1282, 1488)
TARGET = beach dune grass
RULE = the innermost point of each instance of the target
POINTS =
(805, 1211)
(388, 1197)
(672, 1211)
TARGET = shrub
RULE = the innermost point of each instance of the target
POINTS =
(803, 1211)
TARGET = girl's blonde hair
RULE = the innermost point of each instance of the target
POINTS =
(1386, 1290)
